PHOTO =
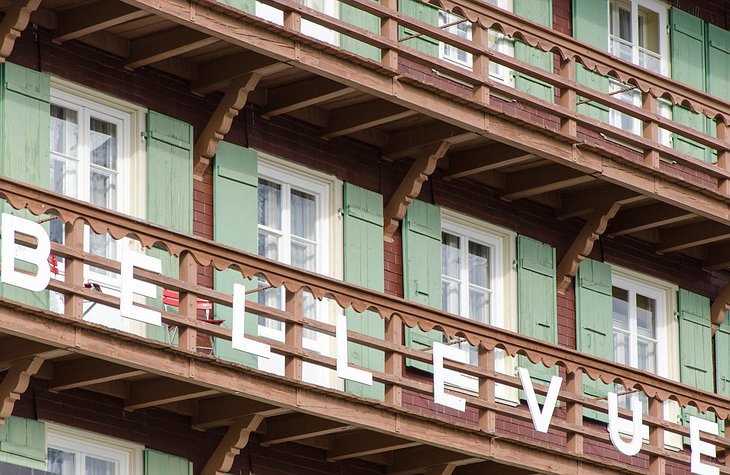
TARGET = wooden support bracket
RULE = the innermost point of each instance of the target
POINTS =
(235, 439)
(15, 383)
(13, 24)
(221, 120)
(719, 305)
(447, 469)
(583, 244)
(410, 187)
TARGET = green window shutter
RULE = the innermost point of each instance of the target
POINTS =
(364, 257)
(235, 218)
(590, 25)
(160, 463)
(718, 61)
(422, 270)
(425, 13)
(539, 11)
(248, 6)
(169, 188)
(695, 348)
(23, 442)
(594, 322)
(536, 298)
(362, 19)
(25, 113)
(722, 357)
(687, 46)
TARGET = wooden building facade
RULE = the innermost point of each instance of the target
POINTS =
(417, 199)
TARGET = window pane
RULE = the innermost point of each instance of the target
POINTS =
(450, 256)
(61, 462)
(103, 146)
(268, 245)
(303, 255)
(303, 215)
(645, 315)
(103, 189)
(450, 296)
(479, 306)
(95, 466)
(479, 265)
(620, 308)
(269, 204)
(647, 356)
(64, 130)
(621, 347)
(624, 24)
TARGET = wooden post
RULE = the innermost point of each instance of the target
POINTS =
(389, 30)
(188, 302)
(657, 464)
(293, 21)
(74, 269)
(480, 36)
(574, 411)
(394, 360)
(568, 98)
(723, 156)
(487, 417)
(651, 129)
(293, 334)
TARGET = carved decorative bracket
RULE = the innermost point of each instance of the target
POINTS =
(583, 244)
(220, 122)
(719, 305)
(235, 439)
(13, 24)
(15, 384)
(410, 187)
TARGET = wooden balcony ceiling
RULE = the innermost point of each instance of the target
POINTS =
(516, 156)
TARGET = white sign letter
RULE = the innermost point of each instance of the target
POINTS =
(541, 420)
(441, 351)
(616, 425)
(238, 332)
(343, 370)
(12, 252)
(131, 286)
(700, 447)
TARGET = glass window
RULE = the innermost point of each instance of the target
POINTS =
(75, 452)
(638, 33)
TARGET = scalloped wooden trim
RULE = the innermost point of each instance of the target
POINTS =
(410, 187)
(14, 22)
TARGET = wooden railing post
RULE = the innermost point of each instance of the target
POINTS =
(394, 361)
(574, 411)
(480, 36)
(651, 129)
(293, 21)
(657, 464)
(389, 30)
(568, 98)
(487, 417)
(723, 156)
(188, 302)
(74, 269)
(293, 334)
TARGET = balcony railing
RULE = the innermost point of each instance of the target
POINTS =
(485, 93)
(195, 252)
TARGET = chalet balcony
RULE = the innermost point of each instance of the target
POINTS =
(175, 374)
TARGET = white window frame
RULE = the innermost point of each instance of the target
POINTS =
(662, 10)
(503, 301)
(131, 181)
(309, 28)
(328, 190)
(128, 455)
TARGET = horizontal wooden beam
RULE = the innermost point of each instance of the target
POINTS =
(482, 159)
(410, 187)
(230, 446)
(361, 443)
(718, 257)
(587, 201)
(363, 116)
(290, 428)
(100, 15)
(446, 469)
(418, 460)
(13, 23)
(301, 94)
(87, 371)
(155, 392)
(404, 143)
(166, 44)
(222, 411)
(216, 75)
(691, 235)
(646, 217)
(12, 349)
(15, 383)
(491, 467)
(536, 181)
